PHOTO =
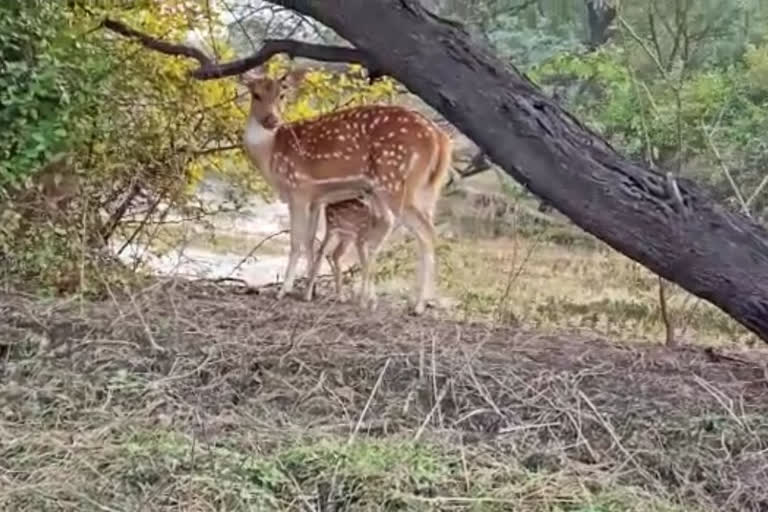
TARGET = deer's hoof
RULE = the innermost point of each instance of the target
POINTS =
(418, 309)
(368, 303)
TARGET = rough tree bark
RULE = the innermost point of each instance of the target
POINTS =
(670, 226)
(600, 16)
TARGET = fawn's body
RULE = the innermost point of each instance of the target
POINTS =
(351, 222)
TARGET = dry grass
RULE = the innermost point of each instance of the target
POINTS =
(554, 279)
(258, 405)
(500, 259)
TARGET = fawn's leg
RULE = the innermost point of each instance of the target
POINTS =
(330, 242)
(341, 249)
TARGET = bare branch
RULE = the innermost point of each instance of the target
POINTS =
(219, 149)
(273, 47)
(158, 44)
(210, 69)
(477, 164)
(736, 190)
(639, 40)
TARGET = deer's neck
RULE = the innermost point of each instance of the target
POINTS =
(259, 144)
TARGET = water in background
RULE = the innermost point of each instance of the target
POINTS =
(256, 221)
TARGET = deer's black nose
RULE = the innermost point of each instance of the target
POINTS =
(270, 121)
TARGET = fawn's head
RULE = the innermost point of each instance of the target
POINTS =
(266, 93)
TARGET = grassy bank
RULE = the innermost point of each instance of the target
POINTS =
(255, 404)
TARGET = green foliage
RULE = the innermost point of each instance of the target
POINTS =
(51, 81)
(368, 474)
(322, 92)
(703, 34)
(136, 126)
(525, 44)
(132, 120)
(681, 84)
(663, 117)
(756, 59)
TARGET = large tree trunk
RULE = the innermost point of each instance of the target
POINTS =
(600, 16)
(671, 227)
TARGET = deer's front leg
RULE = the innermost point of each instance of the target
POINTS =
(299, 212)
(314, 219)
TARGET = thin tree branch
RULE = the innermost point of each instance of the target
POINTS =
(736, 190)
(239, 22)
(158, 44)
(478, 164)
(758, 190)
(639, 40)
(207, 151)
(654, 35)
(271, 47)
(210, 69)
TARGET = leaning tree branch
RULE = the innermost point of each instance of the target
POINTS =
(210, 69)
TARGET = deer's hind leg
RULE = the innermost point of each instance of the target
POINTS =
(366, 295)
(418, 223)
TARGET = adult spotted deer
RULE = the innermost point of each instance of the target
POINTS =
(397, 154)
(357, 222)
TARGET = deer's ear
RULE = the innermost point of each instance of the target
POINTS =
(293, 78)
(249, 76)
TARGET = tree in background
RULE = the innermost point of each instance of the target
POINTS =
(679, 85)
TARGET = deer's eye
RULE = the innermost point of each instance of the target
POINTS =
(256, 96)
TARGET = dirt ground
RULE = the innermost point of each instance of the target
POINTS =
(257, 375)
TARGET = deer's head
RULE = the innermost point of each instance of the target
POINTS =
(267, 93)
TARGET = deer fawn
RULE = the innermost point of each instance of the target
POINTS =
(394, 153)
(347, 222)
